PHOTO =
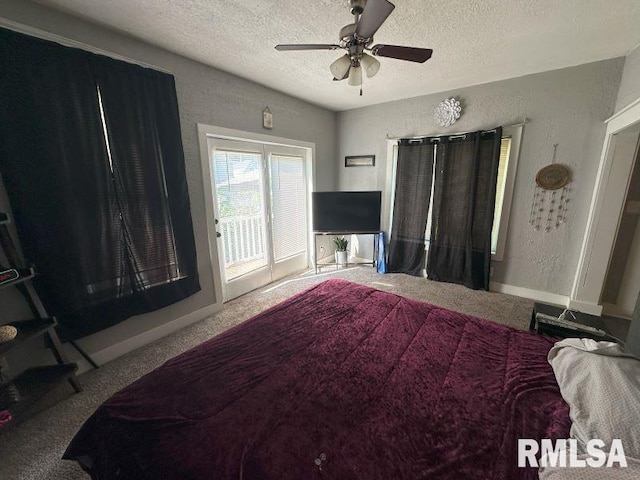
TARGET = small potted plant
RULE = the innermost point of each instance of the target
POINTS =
(341, 250)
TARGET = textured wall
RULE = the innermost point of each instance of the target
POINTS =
(629, 92)
(622, 283)
(205, 95)
(630, 84)
(565, 106)
(633, 337)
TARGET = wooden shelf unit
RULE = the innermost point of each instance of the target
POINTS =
(34, 383)
(25, 274)
(27, 329)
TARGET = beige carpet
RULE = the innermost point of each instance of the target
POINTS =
(32, 450)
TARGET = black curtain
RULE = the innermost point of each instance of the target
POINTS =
(414, 174)
(143, 125)
(54, 164)
(463, 209)
(110, 239)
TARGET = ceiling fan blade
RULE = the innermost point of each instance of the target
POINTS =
(412, 54)
(374, 14)
(307, 46)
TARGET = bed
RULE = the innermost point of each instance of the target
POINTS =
(341, 381)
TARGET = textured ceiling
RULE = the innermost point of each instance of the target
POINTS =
(474, 41)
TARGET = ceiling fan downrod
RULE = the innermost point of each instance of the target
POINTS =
(357, 6)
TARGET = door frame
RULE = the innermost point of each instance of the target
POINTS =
(607, 202)
(211, 131)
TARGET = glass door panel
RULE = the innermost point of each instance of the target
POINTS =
(261, 209)
(239, 196)
(288, 199)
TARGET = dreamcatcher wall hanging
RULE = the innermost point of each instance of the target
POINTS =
(551, 196)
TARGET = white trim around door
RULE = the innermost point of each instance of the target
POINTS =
(614, 172)
(209, 136)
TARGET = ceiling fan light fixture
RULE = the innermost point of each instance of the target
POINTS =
(355, 76)
(370, 64)
(340, 67)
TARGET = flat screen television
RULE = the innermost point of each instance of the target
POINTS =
(347, 212)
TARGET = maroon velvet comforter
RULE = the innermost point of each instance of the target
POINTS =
(368, 384)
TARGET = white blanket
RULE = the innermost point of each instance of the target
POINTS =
(601, 384)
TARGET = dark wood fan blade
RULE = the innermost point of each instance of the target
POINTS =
(374, 15)
(419, 55)
(307, 46)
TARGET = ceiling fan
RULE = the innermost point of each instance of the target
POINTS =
(357, 37)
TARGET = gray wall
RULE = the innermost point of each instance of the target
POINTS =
(205, 95)
(633, 337)
(630, 84)
(629, 92)
(565, 106)
(617, 288)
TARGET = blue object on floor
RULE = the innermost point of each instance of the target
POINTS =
(382, 253)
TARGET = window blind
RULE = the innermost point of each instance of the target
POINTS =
(287, 178)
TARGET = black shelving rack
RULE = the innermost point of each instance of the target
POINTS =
(319, 264)
(34, 382)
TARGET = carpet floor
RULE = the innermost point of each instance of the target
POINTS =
(32, 450)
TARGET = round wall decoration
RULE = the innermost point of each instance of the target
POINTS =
(447, 112)
(553, 177)
(551, 195)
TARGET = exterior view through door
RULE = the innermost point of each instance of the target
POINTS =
(260, 204)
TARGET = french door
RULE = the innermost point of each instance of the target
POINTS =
(260, 205)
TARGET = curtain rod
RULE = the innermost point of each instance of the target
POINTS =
(459, 134)
(67, 42)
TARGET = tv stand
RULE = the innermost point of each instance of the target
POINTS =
(373, 262)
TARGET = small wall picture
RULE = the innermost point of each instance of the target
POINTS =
(360, 161)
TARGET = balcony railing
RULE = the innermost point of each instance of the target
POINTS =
(242, 237)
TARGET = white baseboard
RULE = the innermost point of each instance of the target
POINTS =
(546, 297)
(130, 344)
(537, 295)
(615, 311)
(586, 307)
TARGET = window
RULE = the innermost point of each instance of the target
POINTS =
(101, 196)
(153, 265)
(503, 166)
(509, 151)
